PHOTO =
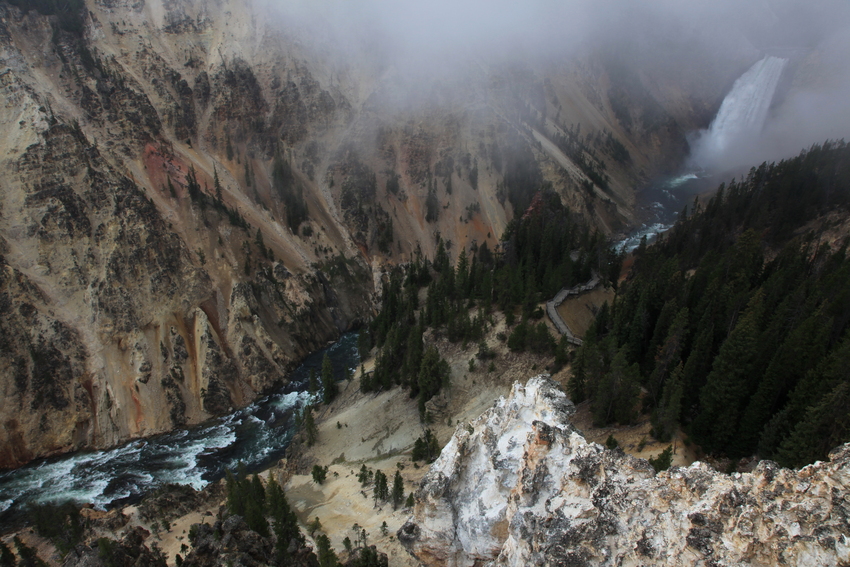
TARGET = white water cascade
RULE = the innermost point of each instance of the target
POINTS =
(736, 129)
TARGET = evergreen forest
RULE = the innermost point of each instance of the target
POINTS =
(541, 252)
(734, 325)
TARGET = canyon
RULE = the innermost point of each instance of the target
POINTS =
(198, 199)
(193, 199)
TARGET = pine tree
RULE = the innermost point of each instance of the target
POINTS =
(462, 275)
(615, 394)
(441, 258)
(228, 147)
(313, 382)
(426, 447)
(363, 475)
(329, 385)
(285, 522)
(326, 555)
(433, 375)
(398, 490)
(380, 490)
(368, 557)
(663, 461)
(824, 426)
(255, 518)
(364, 343)
(728, 384)
(519, 337)
(801, 350)
(812, 388)
(539, 340)
(639, 327)
(409, 372)
(432, 206)
(577, 386)
(697, 366)
(665, 419)
(366, 383)
(193, 187)
(258, 492)
(236, 497)
(289, 190)
(7, 558)
(562, 353)
(27, 556)
(274, 497)
(217, 186)
(668, 353)
(419, 450)
(319, 474)
(310, 429)
(531, 296)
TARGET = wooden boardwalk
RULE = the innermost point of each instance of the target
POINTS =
(552, 307)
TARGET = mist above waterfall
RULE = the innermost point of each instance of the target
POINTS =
(673, 47)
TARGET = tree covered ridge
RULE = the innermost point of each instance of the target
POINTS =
(749, 354)
(541, 252)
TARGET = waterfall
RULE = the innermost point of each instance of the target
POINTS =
(738, 124)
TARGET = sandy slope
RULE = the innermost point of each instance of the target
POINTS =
(379, 430)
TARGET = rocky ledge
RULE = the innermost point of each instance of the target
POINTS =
(521, 486)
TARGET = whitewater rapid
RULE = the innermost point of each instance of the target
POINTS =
(666, 198)
(256, 435)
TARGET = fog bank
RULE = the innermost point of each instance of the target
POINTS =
(450, 41)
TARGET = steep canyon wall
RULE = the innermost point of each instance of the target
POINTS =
(191, 200)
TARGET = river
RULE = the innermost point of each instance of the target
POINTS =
(257, 435)
(661, 202)
(722, 147)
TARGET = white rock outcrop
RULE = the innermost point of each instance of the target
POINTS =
(521, 486)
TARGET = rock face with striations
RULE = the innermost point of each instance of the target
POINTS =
(520, 486)
(134, 301)
(192, 198)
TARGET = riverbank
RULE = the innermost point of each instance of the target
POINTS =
(375, 430)
(378, 431)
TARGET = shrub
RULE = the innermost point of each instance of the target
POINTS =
(663, 461)
(319, 474)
